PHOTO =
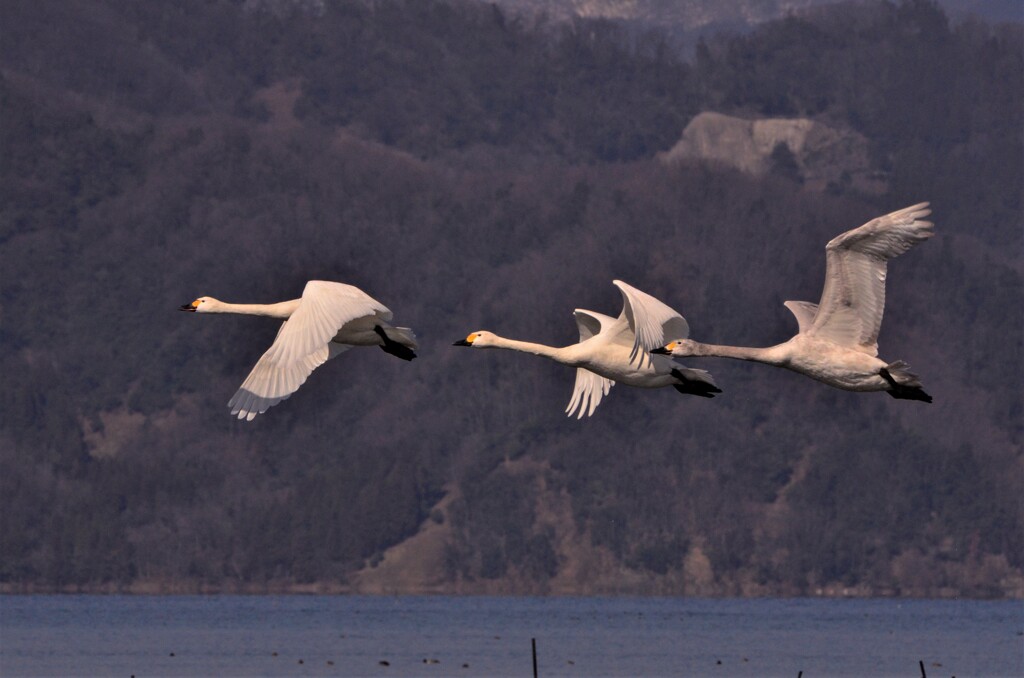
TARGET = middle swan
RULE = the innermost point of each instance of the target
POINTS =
(616, 350)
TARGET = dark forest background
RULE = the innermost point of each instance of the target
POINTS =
(475, 170)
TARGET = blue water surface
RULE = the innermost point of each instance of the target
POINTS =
(491, 636)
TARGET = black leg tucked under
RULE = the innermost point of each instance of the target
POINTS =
(694, 387)
(901, 392)
(393, 347)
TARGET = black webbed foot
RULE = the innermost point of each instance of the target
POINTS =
(694, 386)
(393, 347)
(902, 392)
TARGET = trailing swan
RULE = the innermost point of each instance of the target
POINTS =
(329, 319)
(614, 350)
(837, 342)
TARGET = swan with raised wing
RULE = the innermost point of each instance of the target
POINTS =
(837, 342)
(327, 320)
(614, 350)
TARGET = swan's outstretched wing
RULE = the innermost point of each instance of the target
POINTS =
(852, 303)
(587, 393)
(590, 387)
(804, 312)
(652, 322)
(303, 344)
(589, 323)
(592, 323)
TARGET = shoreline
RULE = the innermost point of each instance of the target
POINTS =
(338, 589)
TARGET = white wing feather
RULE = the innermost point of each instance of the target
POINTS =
(592, 323)
(303, 343)
(853, 300)
(590, 388)
(804, 311)
(652, 322)
(587, 322)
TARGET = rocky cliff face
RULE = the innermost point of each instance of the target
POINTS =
(810, 151)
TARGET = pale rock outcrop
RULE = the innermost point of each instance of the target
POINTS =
(822, 154)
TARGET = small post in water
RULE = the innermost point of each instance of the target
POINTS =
(533, 642)
(920, 663)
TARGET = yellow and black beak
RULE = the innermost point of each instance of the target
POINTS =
(189, 307)
(468, 341)
(664, 350)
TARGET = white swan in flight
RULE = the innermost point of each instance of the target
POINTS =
(615, 350)
(837, 341)
(329, 319)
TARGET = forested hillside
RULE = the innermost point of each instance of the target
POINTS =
(472, 170)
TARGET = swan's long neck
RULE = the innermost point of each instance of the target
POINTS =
(770, 355)
(283, 309)
(558, 354)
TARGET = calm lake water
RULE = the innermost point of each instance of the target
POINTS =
(490, 636)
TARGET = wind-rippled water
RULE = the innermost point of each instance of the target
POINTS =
(490, 636)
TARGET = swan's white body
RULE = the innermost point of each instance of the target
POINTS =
(837, 341)
(329, 319)
(614, 350)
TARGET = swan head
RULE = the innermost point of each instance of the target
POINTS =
(680, 348)
(200, 305)
(479, 339)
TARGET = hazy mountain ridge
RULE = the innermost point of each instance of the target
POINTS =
(691, 15)
(699, 15)
(500, 190)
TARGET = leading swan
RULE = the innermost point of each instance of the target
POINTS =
(837, 342)
(614, 350)
(327, 320)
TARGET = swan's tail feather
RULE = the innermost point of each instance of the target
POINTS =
(903, 384)
(900, 372)
(402, 335)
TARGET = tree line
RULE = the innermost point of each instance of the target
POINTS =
(476, 170)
